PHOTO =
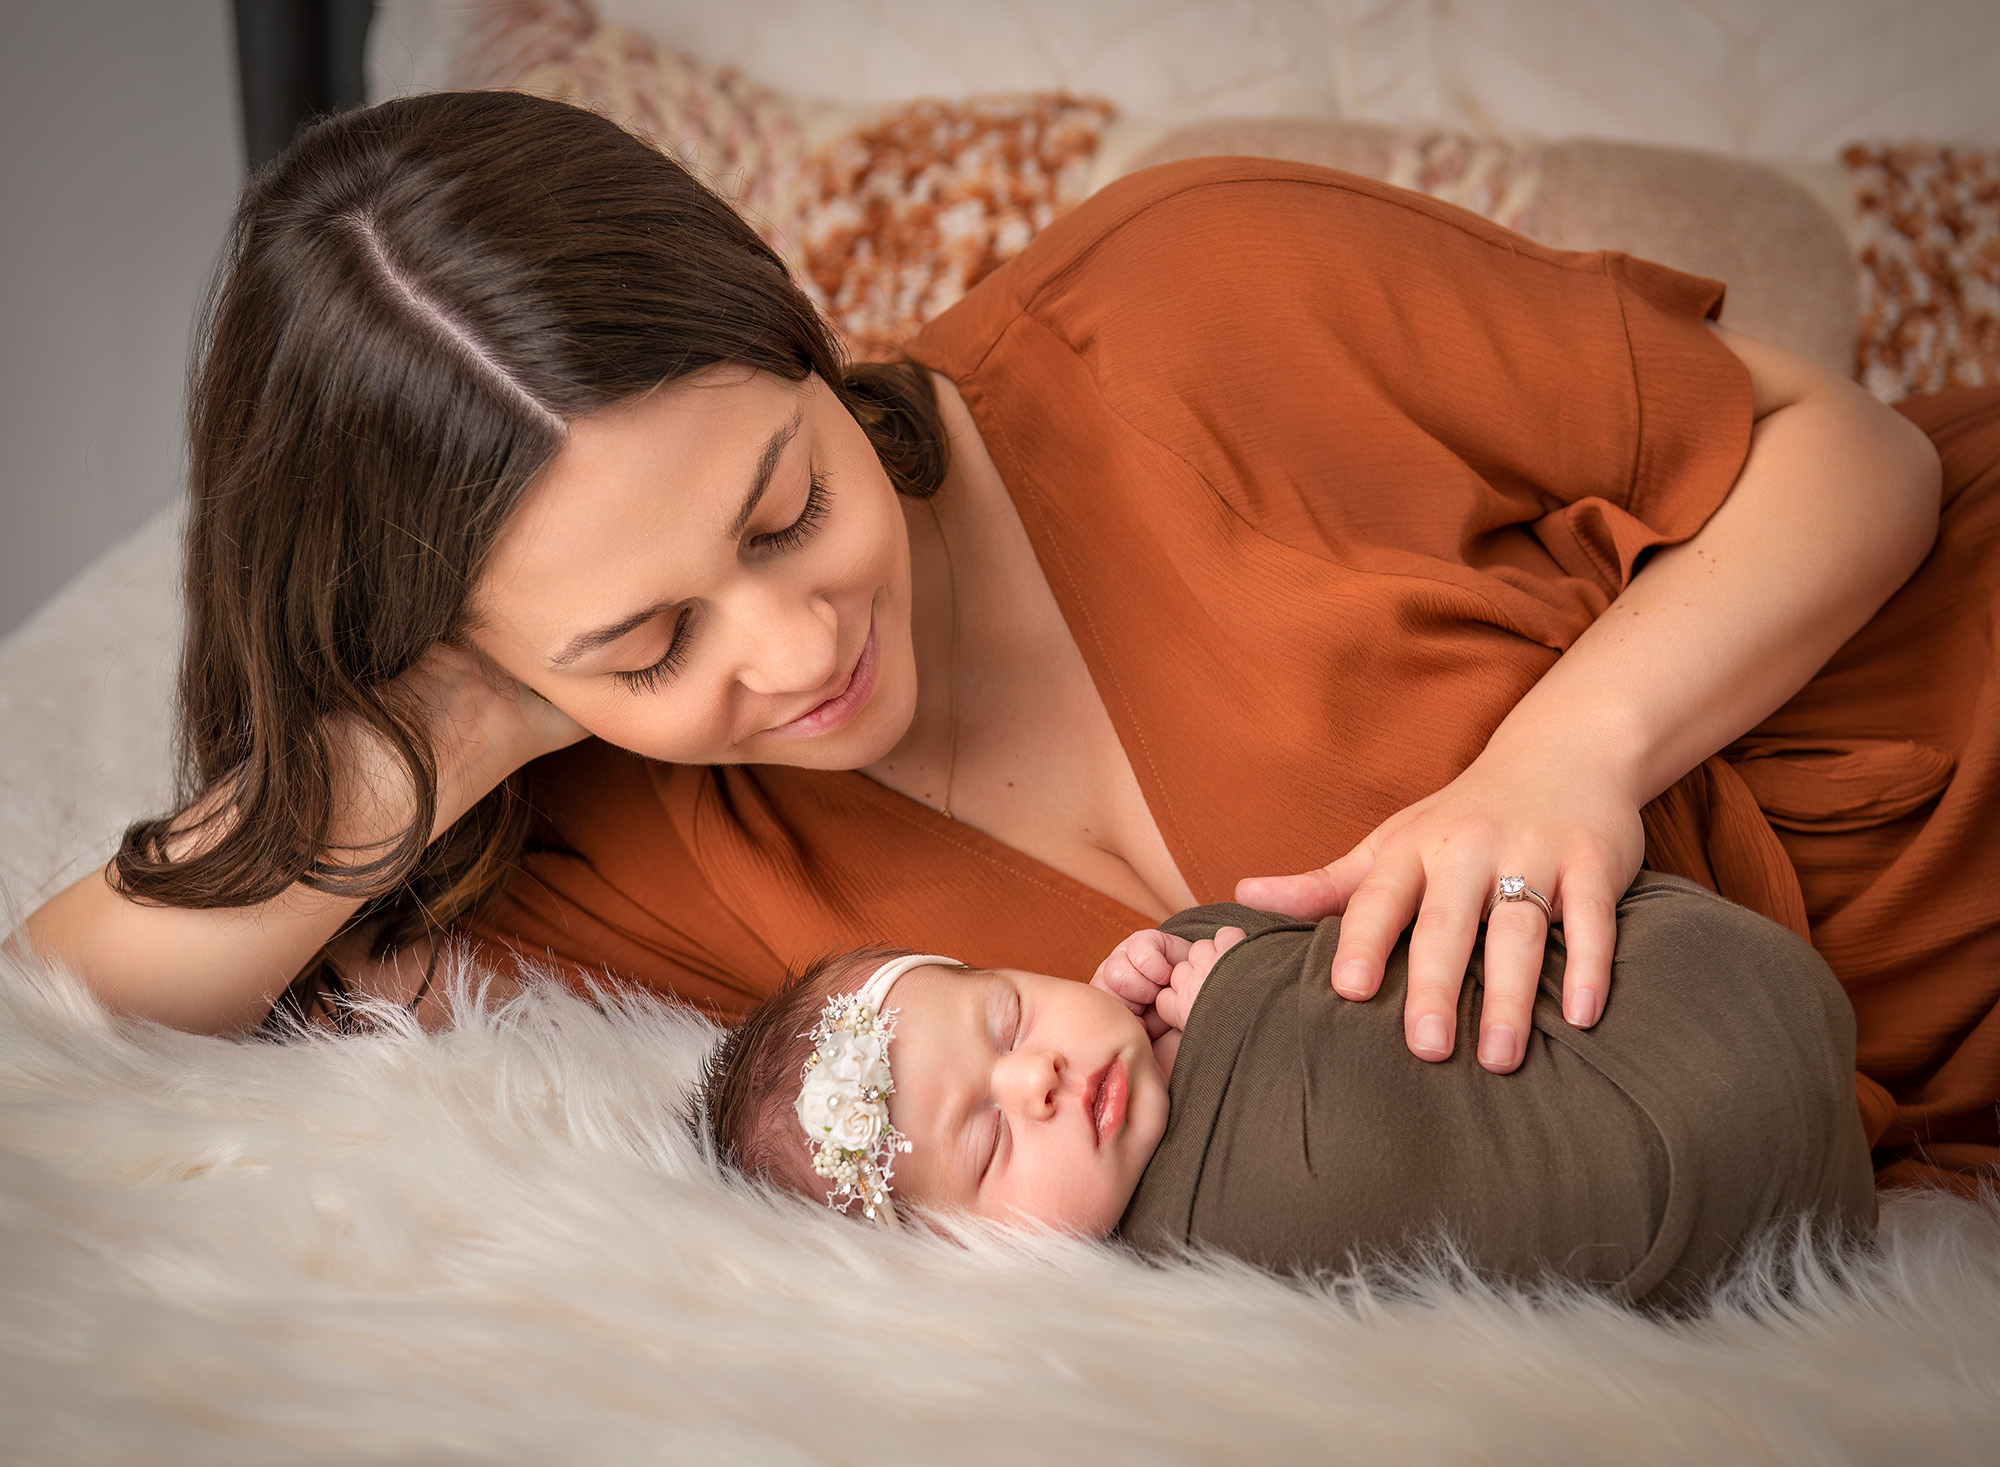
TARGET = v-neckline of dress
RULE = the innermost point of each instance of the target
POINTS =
(1040, 553)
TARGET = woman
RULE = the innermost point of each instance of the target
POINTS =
(1255, 516)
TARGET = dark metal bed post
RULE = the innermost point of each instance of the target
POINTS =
(297, 59)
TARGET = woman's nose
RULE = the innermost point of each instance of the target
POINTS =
(791, 643)
(1026, 1082)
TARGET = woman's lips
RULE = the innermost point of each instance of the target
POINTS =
(843, 705)
(1107, 1100)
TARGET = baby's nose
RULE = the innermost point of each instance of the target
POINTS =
(1030, 1080)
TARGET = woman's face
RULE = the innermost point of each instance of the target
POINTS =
(1024, 1097)
(716, 573)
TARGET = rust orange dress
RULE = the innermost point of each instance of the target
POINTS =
(1355, 467)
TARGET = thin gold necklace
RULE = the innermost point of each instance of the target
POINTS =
(951, 579)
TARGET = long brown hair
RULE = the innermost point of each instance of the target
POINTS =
(415, 302)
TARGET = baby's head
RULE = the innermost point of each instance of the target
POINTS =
(1012, 1095)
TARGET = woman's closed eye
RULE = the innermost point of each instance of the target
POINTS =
(646, 679)
(811, 515)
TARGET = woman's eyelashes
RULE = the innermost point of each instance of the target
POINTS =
(811, 515)
(800, 530)
(646, 679)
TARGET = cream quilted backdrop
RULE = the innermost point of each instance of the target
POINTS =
(1763, 78)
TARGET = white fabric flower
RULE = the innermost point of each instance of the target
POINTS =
(861, 1063)
(818, 1101)
(856, 1124)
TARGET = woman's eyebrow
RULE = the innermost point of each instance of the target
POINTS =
(767, 465)
(605, 635)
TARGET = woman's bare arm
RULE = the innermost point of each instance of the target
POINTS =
(1835, 507)
(220, 970)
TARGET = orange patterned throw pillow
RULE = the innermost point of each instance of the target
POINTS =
(1929, 242)
(890, 223)
(900, 219)
(885, 226)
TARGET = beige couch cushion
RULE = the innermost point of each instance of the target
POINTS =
(1784, 257)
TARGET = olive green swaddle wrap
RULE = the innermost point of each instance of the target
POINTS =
(1715, 1097)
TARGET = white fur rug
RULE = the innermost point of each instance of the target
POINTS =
(496, 1245)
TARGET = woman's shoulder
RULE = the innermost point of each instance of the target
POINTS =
(1240, 238)
(1241, 194)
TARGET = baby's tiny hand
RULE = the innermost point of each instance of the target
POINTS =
(1138, 968)
(1175, 1001)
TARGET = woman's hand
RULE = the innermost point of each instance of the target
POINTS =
(484, 724)
(220, 969)
(1569, 828)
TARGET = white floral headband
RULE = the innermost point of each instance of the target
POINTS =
(844, 1093)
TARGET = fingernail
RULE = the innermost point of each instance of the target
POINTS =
(1352, 980)
(1581, 1010)
(1433, 1038)
(1496, 1047)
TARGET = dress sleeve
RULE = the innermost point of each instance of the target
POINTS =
(1352, 366)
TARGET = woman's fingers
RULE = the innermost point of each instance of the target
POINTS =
(1377, 912)
(1441, 944)
(1430, 869)
(1590, 933)
(1516, 933)
(1310, 894)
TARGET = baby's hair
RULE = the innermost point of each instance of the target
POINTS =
(751, 1081)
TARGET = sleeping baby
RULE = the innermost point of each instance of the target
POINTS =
(1209, 1088)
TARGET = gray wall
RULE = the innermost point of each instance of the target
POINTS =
(119, 162)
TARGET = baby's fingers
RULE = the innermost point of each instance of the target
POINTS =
(1139, 967)
(1117, 976)
(1152, 954)
(1176, 1001)
(1173, 1006)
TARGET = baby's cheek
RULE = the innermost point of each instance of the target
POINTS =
(1063, 1194)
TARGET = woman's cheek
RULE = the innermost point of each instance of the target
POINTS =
(649, 724)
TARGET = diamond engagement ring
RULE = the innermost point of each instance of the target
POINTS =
(1516, 889)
